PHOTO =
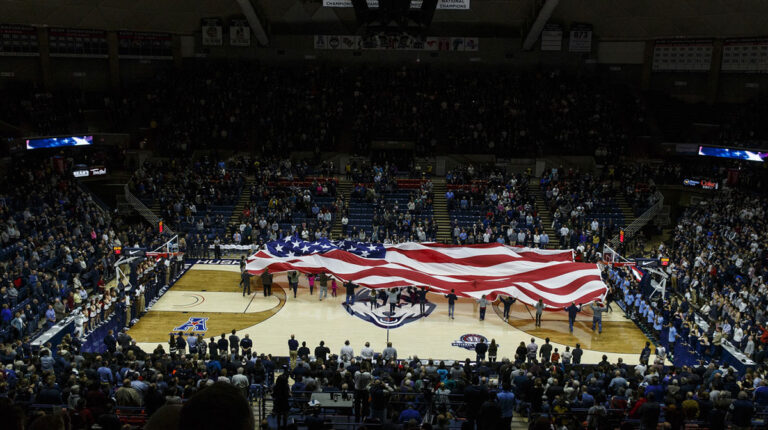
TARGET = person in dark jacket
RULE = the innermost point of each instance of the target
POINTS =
(110, 342)
(234, 342)
(246, 344)
(280, 396)
(181, 343)
(480, 349)
(572, 310)
(266, 282)
(223, 345)
(350, 288)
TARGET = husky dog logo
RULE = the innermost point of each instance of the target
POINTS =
(468, 341)
(407, 310)
(194, 324)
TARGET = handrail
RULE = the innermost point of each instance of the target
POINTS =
(143, 210)
(643, 219)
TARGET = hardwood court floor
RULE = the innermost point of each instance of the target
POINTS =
(618, 332)
(157, 324)
(311, 320)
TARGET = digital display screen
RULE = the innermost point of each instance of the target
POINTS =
(58, 142)
(701, 183)
(83, 171)
(733, 153)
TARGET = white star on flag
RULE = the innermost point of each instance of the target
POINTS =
(364, 253)
(305, 248)
(279, 248)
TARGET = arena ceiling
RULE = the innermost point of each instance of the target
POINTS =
(612, 19)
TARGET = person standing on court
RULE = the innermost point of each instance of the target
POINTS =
(234, 342)
(223, 345)
(393, 300)
(422, 300)
(246, 344)
(322, 280)
(597, 315)
(508, 301)
(245, 282)
(311, 282)
(293, 281)
(350, 287)
(545, 352)
(572, 310)
(266, 282)
(577, 353)
(480, 349)
(539, 311)
(483, 302)
(451, 303)
(293, 350)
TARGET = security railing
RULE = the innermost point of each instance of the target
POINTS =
(643, 219)
(143, 210)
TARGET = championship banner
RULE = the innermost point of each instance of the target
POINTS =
(745, 55)
(145, 45)
(580, 38)
(74, 42)
(552, 37)
(397, 43)
(239, 33)
(212, 32)
(689, 55)
(415, 4)
(18, 40)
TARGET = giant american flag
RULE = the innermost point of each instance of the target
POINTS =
(490, 269)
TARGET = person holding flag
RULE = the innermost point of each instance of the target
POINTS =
(597, 316)
(572, 311)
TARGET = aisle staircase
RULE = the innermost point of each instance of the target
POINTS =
(534, 189)
(242, 203)
(626, 209)
(343, 190)
(440, 210)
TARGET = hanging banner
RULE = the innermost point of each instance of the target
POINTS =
(552, 37)
(212, 32)
(745, 55)
(397, 43)
(415, 4)
(74, 42)
(18, 40)
(145, 45)
(580, 38)
(239, 32)
(688, 55)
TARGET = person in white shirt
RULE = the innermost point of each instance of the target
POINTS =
(367, 352)
(347, 353)
(241, 381)
(738, 335)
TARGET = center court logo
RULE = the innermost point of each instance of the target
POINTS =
(194, 325)
(406, 311)
(468, 341)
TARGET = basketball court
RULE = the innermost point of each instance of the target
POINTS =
(207, 299)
